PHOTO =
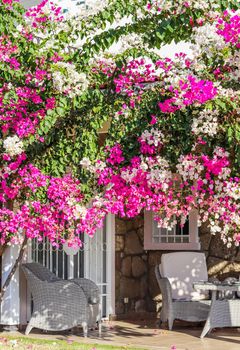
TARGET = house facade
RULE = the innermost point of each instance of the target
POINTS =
(120, 258)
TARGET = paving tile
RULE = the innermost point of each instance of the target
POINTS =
(144, 334)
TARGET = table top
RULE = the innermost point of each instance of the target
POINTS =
(201, 285)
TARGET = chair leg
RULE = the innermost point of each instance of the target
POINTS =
(100, 328)
(85, 329)
(170, 323)
(28, 329)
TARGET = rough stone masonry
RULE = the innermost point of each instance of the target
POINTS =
(137, 291)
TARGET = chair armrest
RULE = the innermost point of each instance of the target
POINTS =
(63, 289)
(90, 289)
(165, 286)
(166, 290)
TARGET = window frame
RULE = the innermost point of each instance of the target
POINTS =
(193, 243)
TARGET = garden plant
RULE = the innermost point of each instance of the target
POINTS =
(172, 139)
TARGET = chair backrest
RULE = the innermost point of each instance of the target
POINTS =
(41, 272)
(34, 283)
(183, 269)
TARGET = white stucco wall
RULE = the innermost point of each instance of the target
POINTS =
(10, 306)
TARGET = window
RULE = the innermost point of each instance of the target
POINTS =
(178, 238)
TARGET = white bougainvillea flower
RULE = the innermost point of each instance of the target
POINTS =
(13, 145)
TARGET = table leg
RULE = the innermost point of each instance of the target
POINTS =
(207, 327)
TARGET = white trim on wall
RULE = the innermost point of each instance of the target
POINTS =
(110, 227)
(10, 306)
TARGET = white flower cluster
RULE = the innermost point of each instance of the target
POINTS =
(206, 123)
(153, 137)
(227, 229)
(180, 6)
(159, 172)
(178, 72)
(13, 145)
(220, 152)
(228, 93)
(66, 79)
(79, 211)
(227, 240)
(124, 113)
(207, 40)
(127, 175)
(189, 168)
(126, 42)
(86, 164)
(233, 190)
(157, 169)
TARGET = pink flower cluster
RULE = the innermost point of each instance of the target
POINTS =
(134, 75)
(9, 2)
(200, 182)
(188, 92)
(8, 52)
(54, 207)
(115, 155)
(53, 217)
(22, 114)
(229, 28)
(46, 11)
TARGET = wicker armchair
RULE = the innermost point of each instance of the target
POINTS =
(87, 287)
(57, 305)
(174, 306)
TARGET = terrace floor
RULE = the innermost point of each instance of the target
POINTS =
(144, 334)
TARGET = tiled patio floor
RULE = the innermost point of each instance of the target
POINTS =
(144, 334)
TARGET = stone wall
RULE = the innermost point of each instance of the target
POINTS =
(137, 291)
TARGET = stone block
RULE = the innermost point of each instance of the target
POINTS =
(204, 229)
(130, 224)
(121, 226)
(126, 267)
(223, 268)
(138, 222)
(153, 287)
(129, 288)
(119, 243)
(140, 305)
(118, 261)
(138, 267)
(120, 308)
(220, 250)
(140, 233)
(145, 257)
(144, 286)
(237, 257)
(133, 245)
(151, 304)
(117, 279)
(154, 258)
(205, 241)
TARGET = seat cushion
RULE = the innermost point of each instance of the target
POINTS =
(183, 269)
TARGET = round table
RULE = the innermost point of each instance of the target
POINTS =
(223, 312)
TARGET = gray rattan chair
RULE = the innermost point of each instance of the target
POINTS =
(187, 310)
(88, 290)
(57, 305)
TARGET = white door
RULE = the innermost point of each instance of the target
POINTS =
(95, 260)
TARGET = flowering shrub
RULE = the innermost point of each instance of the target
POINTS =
(173, 140)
